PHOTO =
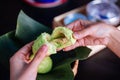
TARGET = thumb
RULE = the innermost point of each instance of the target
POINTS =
(31, 69)
(40, 55)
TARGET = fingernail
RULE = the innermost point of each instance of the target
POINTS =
(44, 47)
(65, 49)
(42, 51)
(75, 35)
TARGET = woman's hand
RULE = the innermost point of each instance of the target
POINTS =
(88, 33)
(21, 67)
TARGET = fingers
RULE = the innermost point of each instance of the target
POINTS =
(31, 69)
(70, 47)
(40, 55)
(77, 44)
(87, 41)
(78, 25)
(81, 34)
(25, 50)
(75, 26)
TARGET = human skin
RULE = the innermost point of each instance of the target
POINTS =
(88, 33)
(21, 67)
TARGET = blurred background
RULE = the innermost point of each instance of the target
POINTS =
(101, 66)
(10, 9)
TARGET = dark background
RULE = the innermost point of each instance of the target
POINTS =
(102, 66)
(11, 8)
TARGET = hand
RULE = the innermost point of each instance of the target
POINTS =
(88, 33)
(21, 67)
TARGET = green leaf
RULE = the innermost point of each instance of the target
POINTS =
(82, 52)
(28, 30)
(68, 57)
(7, 48)
(62, 72)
